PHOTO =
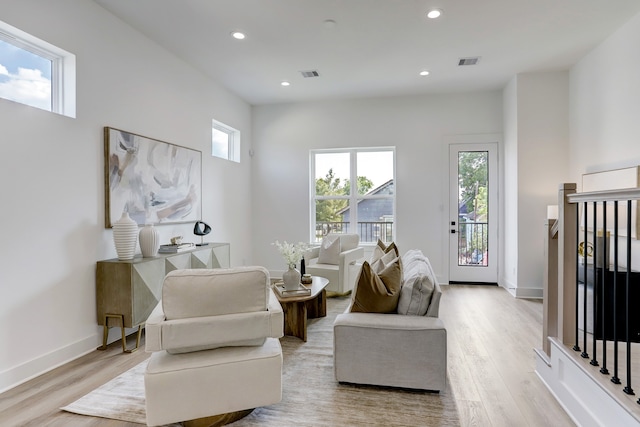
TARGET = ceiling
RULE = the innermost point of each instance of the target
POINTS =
(375, 47)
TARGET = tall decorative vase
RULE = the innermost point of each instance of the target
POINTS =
(291, 278)
(125, 237)
(149, 241)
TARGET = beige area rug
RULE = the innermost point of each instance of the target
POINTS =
(311, 396)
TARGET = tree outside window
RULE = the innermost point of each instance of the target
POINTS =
(372, 197)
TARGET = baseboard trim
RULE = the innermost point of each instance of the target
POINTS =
(533, 293)
(456, 282)
(521, 291)
(585, 400)
(26, 371)
(35, 367)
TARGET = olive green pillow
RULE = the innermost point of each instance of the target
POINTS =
(378, 293)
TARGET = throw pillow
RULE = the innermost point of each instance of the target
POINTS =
(378, 293)
(377, 266)
(418, 286)
(329, 251)
(378, 253)
(392, 247)
(380, 249)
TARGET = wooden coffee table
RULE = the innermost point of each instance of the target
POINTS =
(298, 308)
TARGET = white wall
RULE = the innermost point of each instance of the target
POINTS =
(52, 222)
(543, 154)
(605, 106)
(417, 126)
(536, 161)
(509, 226)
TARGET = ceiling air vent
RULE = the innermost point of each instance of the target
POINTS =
(468, 61)
(312, 73)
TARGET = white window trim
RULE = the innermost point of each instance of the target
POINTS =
(234, 140)
(353, 196)
(63, 72)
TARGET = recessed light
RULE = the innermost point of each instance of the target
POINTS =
(424, 73)
(434, 13)
(329, 23)
(238, 35)
(285, 83)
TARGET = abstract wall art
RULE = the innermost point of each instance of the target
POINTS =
(154, 181)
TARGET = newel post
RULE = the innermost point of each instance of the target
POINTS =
(567, 264)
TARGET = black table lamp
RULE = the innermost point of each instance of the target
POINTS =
(201, 229)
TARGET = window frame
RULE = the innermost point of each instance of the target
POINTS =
(233, 142)
(63, 68)
(353, 197)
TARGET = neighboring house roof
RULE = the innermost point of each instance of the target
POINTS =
(381, 189)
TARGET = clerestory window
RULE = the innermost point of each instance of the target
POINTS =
(225, 142)
(36, 73)
(353, 191)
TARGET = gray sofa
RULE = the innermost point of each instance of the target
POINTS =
(407, 349)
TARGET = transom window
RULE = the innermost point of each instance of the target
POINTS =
(353, 192)
(225, 142)
(36, 73)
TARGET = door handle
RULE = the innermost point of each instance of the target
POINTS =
(453, 231)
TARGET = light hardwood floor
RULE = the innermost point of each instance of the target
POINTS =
(491, 363)
(491, 337)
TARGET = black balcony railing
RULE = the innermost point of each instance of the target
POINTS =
(369, 232)
(473, 243)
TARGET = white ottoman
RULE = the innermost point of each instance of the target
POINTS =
(195, 385)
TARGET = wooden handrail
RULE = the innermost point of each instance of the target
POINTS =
(605, 196)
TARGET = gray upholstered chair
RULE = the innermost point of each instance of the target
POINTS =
(214, 338)
(337, 265)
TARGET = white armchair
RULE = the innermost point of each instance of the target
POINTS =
(336, 261)
(214, 338)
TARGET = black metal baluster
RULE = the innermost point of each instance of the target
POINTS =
(628, 388)
(605, 267)
(594, 294)
(584, 354)
(615, 378)
(576, 347)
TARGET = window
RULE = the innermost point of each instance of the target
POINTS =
(36, 73)
(225, 142)
(353, 192)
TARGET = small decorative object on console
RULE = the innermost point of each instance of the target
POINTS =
(125, 231)
(201, 229)
(173, 249)
(149, 241)
(306, 279)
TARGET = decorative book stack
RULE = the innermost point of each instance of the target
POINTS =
(173, 249)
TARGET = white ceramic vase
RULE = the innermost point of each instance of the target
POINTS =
(149, 241)
(291, 279)
(125, 237)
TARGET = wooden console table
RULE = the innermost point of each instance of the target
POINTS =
(127, 291)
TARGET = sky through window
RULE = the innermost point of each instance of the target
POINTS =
(24, 76)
